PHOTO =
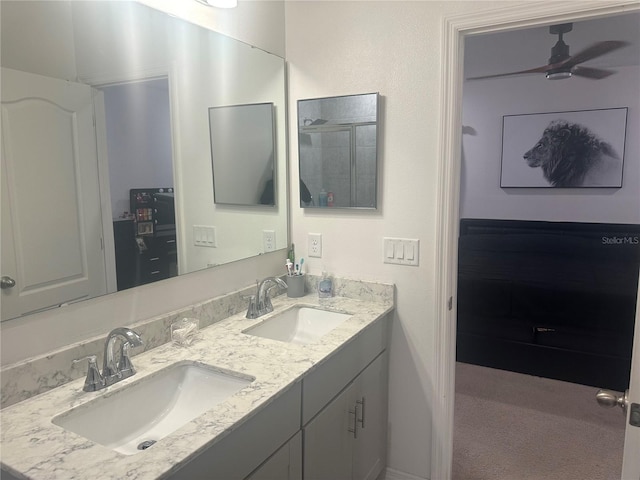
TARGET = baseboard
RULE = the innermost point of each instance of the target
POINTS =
(391, 474)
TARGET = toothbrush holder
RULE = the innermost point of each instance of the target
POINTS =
(295, 285)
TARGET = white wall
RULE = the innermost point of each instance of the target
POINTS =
(50, 51)
(486, 101)
(339, 48)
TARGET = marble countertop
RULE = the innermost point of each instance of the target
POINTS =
(32, 447)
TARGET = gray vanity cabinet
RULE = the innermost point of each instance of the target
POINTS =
(285, 464)
(328, 445)
(244, 449)
(370, 446)
(347, 439)
(344, 415)
(330, 426)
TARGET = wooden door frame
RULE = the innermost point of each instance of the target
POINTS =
(453, 31)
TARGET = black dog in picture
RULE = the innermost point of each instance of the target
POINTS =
(572, 156)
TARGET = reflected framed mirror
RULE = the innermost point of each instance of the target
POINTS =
(118, 95)
(243, 154)
(337, 151)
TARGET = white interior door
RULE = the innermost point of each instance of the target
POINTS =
(631, 457)
(51, 220)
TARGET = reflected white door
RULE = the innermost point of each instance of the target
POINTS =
(51, 220)
(631, 457)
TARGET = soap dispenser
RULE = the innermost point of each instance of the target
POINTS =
(325, 286)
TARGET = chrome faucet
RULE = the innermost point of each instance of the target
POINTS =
(113, 370)
(260, 303)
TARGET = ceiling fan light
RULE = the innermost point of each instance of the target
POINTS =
(558, 75)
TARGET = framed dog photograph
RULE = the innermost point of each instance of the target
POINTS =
(575, 149)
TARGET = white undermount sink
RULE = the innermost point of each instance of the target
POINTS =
(136, 416)
(298, 325)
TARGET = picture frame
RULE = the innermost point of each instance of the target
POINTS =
(570, 149)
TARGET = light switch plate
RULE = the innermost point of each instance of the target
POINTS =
(204, 236)
(401, 251)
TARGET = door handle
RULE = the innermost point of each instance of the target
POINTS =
(607, 398)
(7, 282)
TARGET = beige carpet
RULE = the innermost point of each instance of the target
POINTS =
(509, 426)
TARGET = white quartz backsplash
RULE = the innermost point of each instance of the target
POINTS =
(36, 375)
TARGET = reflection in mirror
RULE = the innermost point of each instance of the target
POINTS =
(117, 191)
(337, 141)
(138, 126)
(242, 154)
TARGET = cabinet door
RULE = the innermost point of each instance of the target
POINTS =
(328, 443)
(370, 446)
(285, 464)
(247, 447)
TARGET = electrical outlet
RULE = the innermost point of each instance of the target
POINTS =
(315, 245)
(268, 240)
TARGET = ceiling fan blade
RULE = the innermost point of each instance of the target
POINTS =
(592, 73)
(521, 72)
(594, 51)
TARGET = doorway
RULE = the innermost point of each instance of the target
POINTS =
(529, 295)
(454, 31)
(137, 125)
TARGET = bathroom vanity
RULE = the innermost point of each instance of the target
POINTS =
(331, 393)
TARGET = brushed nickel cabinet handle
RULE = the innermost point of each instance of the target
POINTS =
(362, 407)
(354, 430)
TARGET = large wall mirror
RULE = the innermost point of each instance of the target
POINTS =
(107, 178)
(337, 142)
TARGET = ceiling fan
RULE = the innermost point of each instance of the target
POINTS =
(562, 65)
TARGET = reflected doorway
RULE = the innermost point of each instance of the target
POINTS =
(141, 180)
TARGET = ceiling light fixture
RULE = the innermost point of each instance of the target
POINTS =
(558, 75)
